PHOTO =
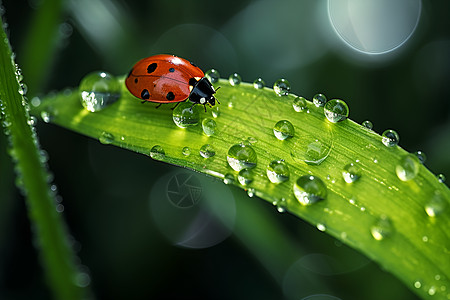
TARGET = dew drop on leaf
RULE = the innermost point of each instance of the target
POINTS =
(408, 167)
(299, 104)
(281, 205)
(99, 90)
(241, 156)
(207, 151)
(351, 173)
(421, 156)
(319, 100)
(209, 126)
(277, 171)
(282, 87)
(245, 177)
(259, 83)
(368, 124)
(283, 130)
(382, 228)
(309, 189)
(336, 110)
(157, 152)
(390, 138)
(185, 115)
(235, 79)
(212, 75)
(436, 205)
(106, 138)
(186, 151)
(228, 178)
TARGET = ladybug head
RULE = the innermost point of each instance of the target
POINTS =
(203, 93)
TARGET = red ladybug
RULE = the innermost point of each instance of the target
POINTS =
(169, 79)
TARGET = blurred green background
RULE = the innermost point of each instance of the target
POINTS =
(136, 246)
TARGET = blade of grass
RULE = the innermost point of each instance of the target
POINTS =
(32, 177)
(379, 214)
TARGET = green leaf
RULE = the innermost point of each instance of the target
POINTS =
(378, 214)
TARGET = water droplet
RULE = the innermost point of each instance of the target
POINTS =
(32, 121)
(417, 284)
(299, 104)
(321, 227)
(259, 83)
(390, 138)
(283, 130)
(319, 100)
(251, 140)
(336, 110)
(408, 167)
(432, 290)
(277, 171)
(215, 111)
(351, 173)
(367, 124)
(281, 205)
(312, 150)
(36, 101)
(382, 228)
(425, 239)
(212, 75)
(436, 205)
(282, 87)
(185, 115)
(186, 151)
(241, 156)
(157, 152)
(441, 178)
(235, 79)
(209, 126)
(46, 116)
(421, 156)
(23, 88)
(207, 151)
(245, 177)
(309, 189)
(99, 90)
(228, 178)
(106, 138)
(251, 192)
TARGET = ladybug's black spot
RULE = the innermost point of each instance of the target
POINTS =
(145, 94)
(192, 81)
(135, 80)
(193, 64)
(151, 67)
(171, 70)
(170, 96)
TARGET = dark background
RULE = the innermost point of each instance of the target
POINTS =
(107, 191)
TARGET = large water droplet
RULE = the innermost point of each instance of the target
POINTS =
(382, 228)
(367, 124)
(283, 130)
(106, 138)
(351, 173)
(212, 75)
(235, 79)
(299, 104)
(336, 110)
(319, 100)
(436, 205)
(98, 90)
(207, 151)
(209, 126)
(241, 156)
(259, 83)
(312, 150)
(309, 189)
(408, 167)
(185, 115)
(245, 177)
(282, 87)
(277, 171)
(157, 152)
(390, 138)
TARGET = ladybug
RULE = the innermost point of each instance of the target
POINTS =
(167, 78)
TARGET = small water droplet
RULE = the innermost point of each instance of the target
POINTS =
(235, 79)
(99, 90)
(309, 189)
(283, 130)
(299, 104)
(157, 152)
(351, 173)
(441, 178)
(185, 115)
(277, 171)
(432, 290)
(241, 156)
(207, 151)
(35, 101)
(32, 121)
(417, 284)
(319, 100)
(408, 167)
(390, 138)
(282, 87)
(245, 177)
(251, 140)
(215, 111)
(228, 178)
(209, 126)
(259, 83)
(212, 75)
(321, 227)
(281, 205)
(106, 138)
(367, 124)
(421, 156)
(46, 116)
(23, 88)
(425, 239)
(186, 151)
(436, 205)
(251, 192)
(336, 110)
(382, 228)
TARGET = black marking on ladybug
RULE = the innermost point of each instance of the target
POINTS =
(135, 80)
(151, 67)
(131, 71)
(193, 64)
(145, 94)
(171, 70)
(170, 96)
(192, 81)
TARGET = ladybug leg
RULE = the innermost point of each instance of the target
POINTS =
(158, 105)
(175, 106)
